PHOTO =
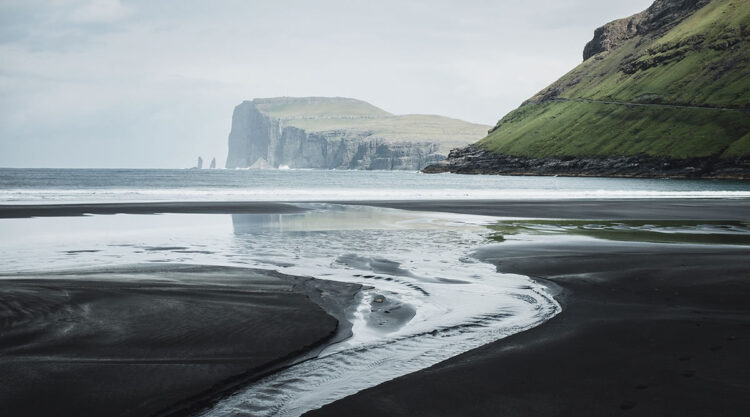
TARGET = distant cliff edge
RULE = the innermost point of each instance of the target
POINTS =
(340, 133)
(663, 93)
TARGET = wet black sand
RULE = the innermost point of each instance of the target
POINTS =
(639, 209)
(620, 209)
(9, 211)
(646, 330)
(161, 340)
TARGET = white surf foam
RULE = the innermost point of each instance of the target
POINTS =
(56, 196)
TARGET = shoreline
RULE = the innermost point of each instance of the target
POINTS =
(677, 208)
(584, 209)
(476, 160)
(15, 211)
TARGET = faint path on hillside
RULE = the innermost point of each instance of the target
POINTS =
(674, 106)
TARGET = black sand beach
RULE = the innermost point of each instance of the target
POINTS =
(647, 329)
(154, 340)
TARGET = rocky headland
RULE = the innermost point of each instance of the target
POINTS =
(473, 159)
(663, 93)
(340, 133)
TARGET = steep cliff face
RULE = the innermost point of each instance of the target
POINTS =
(338, 133)
(659, 18)
(251, 136)
(665, 92)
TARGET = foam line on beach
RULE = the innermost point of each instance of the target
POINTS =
(281, 194)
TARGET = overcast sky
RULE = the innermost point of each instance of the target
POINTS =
(152, 83)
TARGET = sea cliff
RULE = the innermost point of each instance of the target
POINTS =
(339, 133)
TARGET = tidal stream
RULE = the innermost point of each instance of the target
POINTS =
(425, 297)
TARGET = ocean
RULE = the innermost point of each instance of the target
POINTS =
(119, 185)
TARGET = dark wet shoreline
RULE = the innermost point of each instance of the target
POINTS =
(10, 211)
(626, 208)
(585, 209)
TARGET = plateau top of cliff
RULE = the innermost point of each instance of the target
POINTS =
(338, 116)
(323, 107)
(672, 81)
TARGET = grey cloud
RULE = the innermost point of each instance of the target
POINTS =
(153, 83)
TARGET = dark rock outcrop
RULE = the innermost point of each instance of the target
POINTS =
(659, 18)
(475, 160)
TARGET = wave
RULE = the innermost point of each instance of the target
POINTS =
(49, 196)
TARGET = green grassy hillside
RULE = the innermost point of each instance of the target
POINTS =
(321, 114)
(680, 93)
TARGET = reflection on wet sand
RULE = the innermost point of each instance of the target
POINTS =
(331, 217)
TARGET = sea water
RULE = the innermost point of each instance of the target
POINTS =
(113, 185)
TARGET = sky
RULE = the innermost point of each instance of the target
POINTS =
(152, 83)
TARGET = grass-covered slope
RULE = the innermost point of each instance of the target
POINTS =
(448, 133)
(306, 107)
(596, 129)
(326, 114)
(680, 93)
